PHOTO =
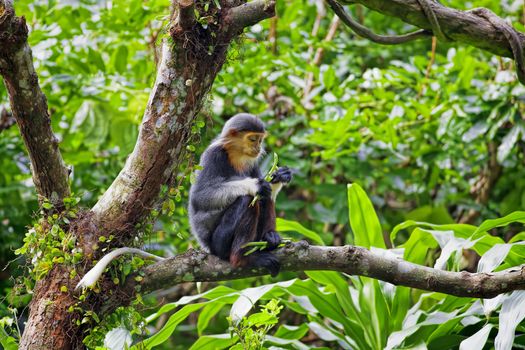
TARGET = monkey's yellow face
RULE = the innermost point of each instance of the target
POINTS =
(252, 142)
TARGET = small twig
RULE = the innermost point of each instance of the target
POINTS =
(429, 66)
(272, 36)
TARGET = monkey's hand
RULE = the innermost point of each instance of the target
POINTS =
(265, 190)
(282, 175)
(273, 239)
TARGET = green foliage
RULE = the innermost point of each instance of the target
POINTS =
(9, 332)
(125, 318)
(251, 331)
(49, 241)
(421, 145)
(362, 313)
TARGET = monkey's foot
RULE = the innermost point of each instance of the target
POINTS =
(266, 260)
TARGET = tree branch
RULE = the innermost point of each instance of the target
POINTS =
(249, 14)
(196, 265)
(463, 26)
(29, 107)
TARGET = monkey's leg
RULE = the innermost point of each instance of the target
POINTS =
(266, 230)
(222, 237)
(246, 231)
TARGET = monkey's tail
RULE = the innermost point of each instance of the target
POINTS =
(93, 275)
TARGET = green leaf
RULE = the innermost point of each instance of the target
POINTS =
(291, 332)
(517, 216)
(207, 314)
(8, 342)
(172, 323)
(120, 59)
(363, 219)
(214, 342)
(283, 225)
(417, 246)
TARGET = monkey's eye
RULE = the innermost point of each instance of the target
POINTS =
(252, 138)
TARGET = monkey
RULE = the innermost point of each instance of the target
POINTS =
(220, 211)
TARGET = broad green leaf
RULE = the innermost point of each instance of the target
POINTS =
(519, 237)
(168, 329)
(400, 305)
(289, 343)
(291, 332)
(363, 219)
(214, 342)
(207, 314)
(417, 246)
(493, 257)
(283, 225)
(217, 292)
(120, 59)
(358, 321)
(461, 230)
(517, 216)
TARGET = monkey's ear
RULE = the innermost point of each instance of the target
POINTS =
(233, 133)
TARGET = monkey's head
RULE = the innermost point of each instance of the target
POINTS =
(242, 137)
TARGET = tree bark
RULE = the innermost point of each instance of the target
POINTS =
(29, 107)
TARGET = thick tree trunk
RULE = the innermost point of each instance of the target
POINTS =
(50, 325)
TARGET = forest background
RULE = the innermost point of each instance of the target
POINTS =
(429, 131)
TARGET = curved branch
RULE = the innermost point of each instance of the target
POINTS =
(461, 26)
(29, 107)
(196, 265)
(366, 33)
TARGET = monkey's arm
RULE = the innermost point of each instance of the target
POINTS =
(221, 193)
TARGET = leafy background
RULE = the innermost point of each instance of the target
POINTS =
(419, 140)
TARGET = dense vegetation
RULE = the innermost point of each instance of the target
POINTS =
(434, 140)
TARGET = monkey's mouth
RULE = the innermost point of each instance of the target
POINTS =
(254, 152)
